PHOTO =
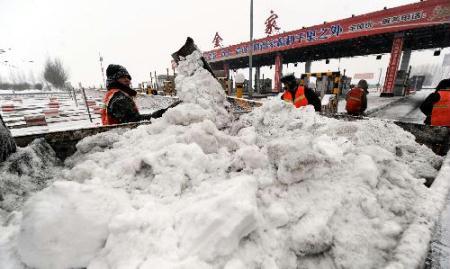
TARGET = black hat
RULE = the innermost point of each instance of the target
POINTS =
(444, 84)
(287, 78)
(363, 84)
(115, 71)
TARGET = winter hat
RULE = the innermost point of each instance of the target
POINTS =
(115, 71)
(287, 78)
(443, 85)
(363, 85)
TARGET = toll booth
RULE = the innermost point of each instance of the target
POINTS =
(169, 88)
(401, 82)
(162, 85)
(416, 82)
(264, 86)
(224, 81)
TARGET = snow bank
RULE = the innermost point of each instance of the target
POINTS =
(413, 247)
(279, 188)
(28, 170)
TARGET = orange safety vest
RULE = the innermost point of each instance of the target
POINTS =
(300, 98)
(440, 115)
(354, 101)
(106, 118)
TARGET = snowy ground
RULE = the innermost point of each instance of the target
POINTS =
(406, 110)
(278, 188)
(71, 116)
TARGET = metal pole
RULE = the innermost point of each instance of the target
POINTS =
(379, 79)
(75, 96)
(85, 102)
(101, 68)
(250, 58)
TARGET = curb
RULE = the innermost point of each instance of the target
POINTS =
(413, 250)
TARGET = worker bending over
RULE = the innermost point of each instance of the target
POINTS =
(299, 95)
(357, 99)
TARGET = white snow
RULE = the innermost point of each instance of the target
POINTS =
(278, 188)
(70, 116)
(79, 231)
(407, 109)
(26, 171)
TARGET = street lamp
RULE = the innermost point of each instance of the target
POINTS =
(250, 58)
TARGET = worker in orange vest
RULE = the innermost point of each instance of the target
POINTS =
(437, 105)
(299, 95)
(118, 103)
(356, 99)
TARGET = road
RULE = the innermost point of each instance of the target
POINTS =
(405, 110)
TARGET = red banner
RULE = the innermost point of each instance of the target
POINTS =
(391, 73)
(422, 14)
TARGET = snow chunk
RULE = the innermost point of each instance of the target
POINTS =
(26, 171)
(65, 225)
(214, 226)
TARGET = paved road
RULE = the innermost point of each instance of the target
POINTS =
(406, 110)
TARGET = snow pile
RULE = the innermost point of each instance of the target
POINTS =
(7, 145)
(28, 170)
(196, 87)
(279, 188)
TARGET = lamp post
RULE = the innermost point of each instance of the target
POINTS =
(250, 58)
(101, 69)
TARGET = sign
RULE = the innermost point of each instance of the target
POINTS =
(363, 76)
(217, 40)
(391, 73)
(271, 23)
(446, 60)
(422, 14)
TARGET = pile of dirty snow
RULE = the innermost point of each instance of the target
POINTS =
(26, 171)
(7, 145)
(278, 188)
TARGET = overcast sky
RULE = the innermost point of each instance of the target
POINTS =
(142, 34)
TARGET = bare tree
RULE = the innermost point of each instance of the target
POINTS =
(55, 73)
